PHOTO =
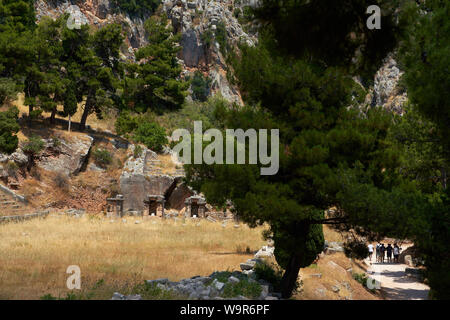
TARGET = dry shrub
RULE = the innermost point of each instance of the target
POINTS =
(61, 181)
(12, 168)
(30, 189)
(243, 249)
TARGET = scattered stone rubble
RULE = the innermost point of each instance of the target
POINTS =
(212, 287)
(333, 247)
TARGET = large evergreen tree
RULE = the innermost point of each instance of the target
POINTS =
(44, 83)
(425, 57)
(101, 71)
(93, 67)
(302, 81)
(154, 81)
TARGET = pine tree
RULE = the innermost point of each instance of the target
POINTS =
(301, 81)
(153, 83)
(425, 57)
(8, 128)
(44, 84)
(93, 67)
(70, 104)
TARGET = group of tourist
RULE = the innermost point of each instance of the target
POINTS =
(384, 253)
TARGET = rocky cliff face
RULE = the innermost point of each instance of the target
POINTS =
(193, 19)
(387, 91)
(190, 18)
(97, 13)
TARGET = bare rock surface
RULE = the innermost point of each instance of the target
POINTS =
(135, 185)
(69, 157)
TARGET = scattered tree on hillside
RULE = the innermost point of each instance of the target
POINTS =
(32, 147)
(154, 82)
(151, 134)
(200, 86)
(138, 7)
(44, 84)
(100, 70)
(70, 104)
(17, 15)
(141, 129)
(16, 52)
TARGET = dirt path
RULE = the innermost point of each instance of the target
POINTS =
(395, 285)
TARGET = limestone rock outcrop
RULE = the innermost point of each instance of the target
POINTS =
(387, 92)
(69, 157)
(193, 19)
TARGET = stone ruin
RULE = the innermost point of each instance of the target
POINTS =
(155, 204)
(115, 206)
(195, 207)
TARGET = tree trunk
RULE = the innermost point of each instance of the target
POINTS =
(30, 162)
(86, 111)
(30, 110)
(290, 276)
(70, 121)
(52, 117)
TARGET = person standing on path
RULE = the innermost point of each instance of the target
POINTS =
(389, 253)
(370, 248)
(396, 251)
(377, 252)
(382, 250)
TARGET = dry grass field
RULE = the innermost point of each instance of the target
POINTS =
(34, 255)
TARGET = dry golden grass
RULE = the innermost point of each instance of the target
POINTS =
(166, 165)
(35, 254)
(332, 235)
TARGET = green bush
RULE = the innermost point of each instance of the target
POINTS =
(207, 37)
(8, 128)
(200, 87)
(360, 277)
(221, 37)
(207, 112)
(356, 249)
(36, 113)
(152, 135)
(150, 291)
(221, 276)
(245, 287)
(137, 151)
(138, 7)
(237, 12)
(126, 123)
(33, 146)
(102, 157)
(8, 90)
(269, 273)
